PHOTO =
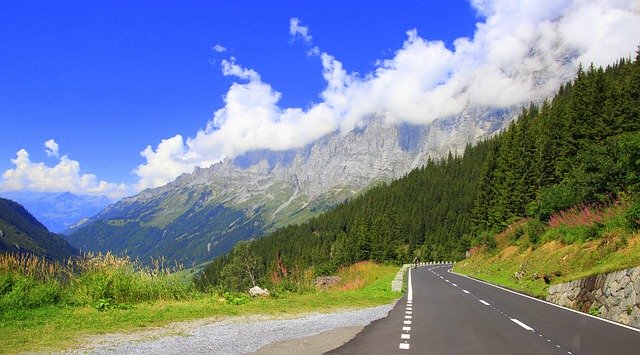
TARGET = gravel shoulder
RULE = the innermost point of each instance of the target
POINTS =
(313, 333)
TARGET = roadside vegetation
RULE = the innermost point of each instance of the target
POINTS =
(47, 306)
(530, 255)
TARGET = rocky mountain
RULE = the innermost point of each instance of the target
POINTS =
(203, 214)
(58, 211)
(21, 232)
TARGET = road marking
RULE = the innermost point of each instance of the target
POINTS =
(465, 291)
(409, 289)
(407, 322)
(484, 302)
(447, 280)
(404, 346)
(407, 317)
(407, 312)
(406, 329)
(455, 285)
(405, 336)
(522, 324)
(549, 303)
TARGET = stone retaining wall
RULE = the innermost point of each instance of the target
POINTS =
(614, 296)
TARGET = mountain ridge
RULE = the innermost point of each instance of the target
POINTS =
(262, 190)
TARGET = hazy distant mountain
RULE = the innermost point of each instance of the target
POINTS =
(58, 211)
(21, 232)
(203, 214)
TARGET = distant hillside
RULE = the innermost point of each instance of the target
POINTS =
(21, 232)
(58, 211)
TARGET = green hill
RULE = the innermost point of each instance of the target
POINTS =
(22, 233)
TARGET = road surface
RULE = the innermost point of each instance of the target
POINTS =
(446, 313)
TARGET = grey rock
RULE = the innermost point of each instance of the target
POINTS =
(257, 291)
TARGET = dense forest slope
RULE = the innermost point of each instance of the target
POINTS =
(21, 232)
(583, 146)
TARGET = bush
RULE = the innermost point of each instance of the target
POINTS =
(21, 292)
(632, 215)
(556, 198)
(534, 228)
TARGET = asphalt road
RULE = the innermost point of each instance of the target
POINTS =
(445, 313)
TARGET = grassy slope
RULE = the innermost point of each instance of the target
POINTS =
(56, 328)
(572, 248)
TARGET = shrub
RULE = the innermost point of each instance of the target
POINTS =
(632, 215)
(554, 199)
(534, 228)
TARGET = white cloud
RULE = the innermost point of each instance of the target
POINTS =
(523, 51)
(64, 176)
(51, 148)
(219, 48)
(296, 29)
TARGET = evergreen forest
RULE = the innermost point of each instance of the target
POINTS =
(582, 147)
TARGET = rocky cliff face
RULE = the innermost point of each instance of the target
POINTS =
(262, 190)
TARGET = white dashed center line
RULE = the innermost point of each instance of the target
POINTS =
(521, 324)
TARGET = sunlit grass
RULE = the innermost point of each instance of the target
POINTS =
(59, 327)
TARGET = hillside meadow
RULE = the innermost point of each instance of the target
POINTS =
(586, 240)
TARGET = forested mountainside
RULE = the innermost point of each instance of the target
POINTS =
(582, 146)
(20, 232)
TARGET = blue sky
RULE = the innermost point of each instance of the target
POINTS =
(107, 80)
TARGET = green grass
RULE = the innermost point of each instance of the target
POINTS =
(56, 327)
(576, 245)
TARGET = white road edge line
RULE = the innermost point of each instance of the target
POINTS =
(521, 324)
(549, 303)
(409, 289)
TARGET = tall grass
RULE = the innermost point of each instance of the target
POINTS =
(104, 281)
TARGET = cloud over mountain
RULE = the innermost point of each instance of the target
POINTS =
(521, 51)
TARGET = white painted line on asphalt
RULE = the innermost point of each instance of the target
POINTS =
(406, 329)
(407, 312)
(521, 324)
(407, 317)
(465, 291)
(455, 285)
(484, 302)
(409, 289)
(404, 346)
(549, 303)
(407, 322)
(405, 336)
(447, 281)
